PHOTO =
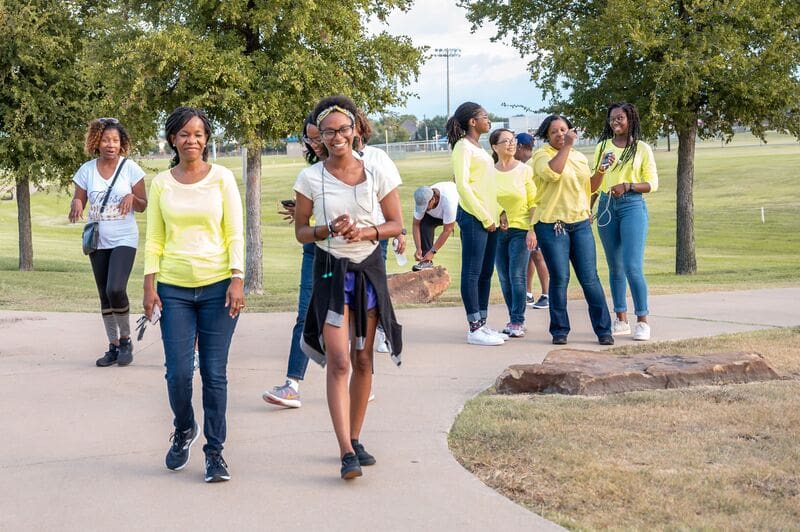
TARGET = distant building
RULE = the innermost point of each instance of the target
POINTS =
(526, 123)
(410, 126)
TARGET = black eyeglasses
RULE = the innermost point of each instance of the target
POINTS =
(309, 140)
(108, 120)
(330, 134)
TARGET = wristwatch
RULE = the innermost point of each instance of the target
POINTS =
(403, 231)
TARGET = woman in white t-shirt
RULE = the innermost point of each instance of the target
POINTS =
(108, 141)
(350, 294)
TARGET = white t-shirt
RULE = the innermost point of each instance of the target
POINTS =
(115, 230)
(448, 202)
(333, 198)
(377, 157)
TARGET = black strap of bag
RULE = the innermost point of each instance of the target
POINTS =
(111, 186)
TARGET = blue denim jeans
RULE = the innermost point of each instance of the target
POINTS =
(575, 244)
(623, 232)
(298, 361)
(512, 269)
(197, 312)
(478, 247)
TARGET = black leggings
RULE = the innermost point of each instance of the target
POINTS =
(112, 268)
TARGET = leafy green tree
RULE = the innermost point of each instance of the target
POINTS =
(435, 126)
(257, 67)
(389, 128)
(701, 66)
(43, 102)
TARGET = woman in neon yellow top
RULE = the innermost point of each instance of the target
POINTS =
(477, 217)
(626, 170)
(563, 227)
(195, 246)
(516, 193)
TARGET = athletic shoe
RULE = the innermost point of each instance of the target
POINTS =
(351, 468)
(559, 340)
(503, 336)
(125, 355)
(641, 331)
(283, 396)
(507, 329)
(216, 468)
(422, 265)
(620, 327)
(371, 397)
(381, 346)
(481, 337)
(182, 441)
(529, 298)
(109, 357)
(517, 330)
(542, 302)
(364, 458)
(196, 359)
(606, 340)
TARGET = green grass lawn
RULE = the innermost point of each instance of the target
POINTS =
(734, 249)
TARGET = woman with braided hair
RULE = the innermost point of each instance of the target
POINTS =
(625, 171)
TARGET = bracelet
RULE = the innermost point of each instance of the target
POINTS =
(330, 229)
(377, 233)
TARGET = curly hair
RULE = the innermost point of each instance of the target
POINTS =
(95, 131)
(334, 101)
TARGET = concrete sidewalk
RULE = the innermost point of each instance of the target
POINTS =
(83, 447)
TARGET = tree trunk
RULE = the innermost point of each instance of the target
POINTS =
(24, 225)
(253, 275)
(685, 260)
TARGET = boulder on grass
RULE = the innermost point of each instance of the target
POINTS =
(582, 372)
(418, 287)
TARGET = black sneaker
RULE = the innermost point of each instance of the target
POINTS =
(559, 340)
(125, 355)
(542, 302)
(364, 458)
(351, 468)
(109, 358)
(216, 468)
(606, 340)
(182, 440)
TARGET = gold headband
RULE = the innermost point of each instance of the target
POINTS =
(334, 108)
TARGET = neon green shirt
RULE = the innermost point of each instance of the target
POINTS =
(641, 170)
(474, 173)
(565, 196)
(516, 194)
(195, 233)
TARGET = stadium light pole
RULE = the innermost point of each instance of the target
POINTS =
(447, 53)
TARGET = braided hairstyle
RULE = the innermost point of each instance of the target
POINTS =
(494, 137)
(634, 133)
(95, 131)
(458, 125)
(175, 122)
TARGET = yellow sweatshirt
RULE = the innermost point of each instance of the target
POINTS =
(516, 194)
(641, 170)
(474, 173)
(562, 197)
(195, 233)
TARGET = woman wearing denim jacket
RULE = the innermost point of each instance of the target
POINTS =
(626, 170)
(563, 227)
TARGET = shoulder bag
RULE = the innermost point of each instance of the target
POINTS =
(91, 231)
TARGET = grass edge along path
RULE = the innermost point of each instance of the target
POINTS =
(707, 457)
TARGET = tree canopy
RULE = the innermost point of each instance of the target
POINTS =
(697, 66)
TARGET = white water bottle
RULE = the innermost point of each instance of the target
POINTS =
(400, 257)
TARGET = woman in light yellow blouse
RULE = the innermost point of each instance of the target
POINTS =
(626, 170)
(477, 217)
(195, 249)
(562, 222)
(516, 194)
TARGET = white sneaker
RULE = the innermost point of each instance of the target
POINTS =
(481, 337)
(196, 359)
(641, 331)
(620, 327)
(489, 330)
(380, 341)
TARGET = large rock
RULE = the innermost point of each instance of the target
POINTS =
(579, 372)
(418, 287)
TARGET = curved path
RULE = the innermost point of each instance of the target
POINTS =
(83, 447)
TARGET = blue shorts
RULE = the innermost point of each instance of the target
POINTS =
(350, 286)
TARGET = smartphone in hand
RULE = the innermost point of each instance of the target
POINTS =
(288, 203)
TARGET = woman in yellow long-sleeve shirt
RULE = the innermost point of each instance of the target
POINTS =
(477, 217)
(195, 246)
(563, 227)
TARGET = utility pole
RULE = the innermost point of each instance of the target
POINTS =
(447, 53)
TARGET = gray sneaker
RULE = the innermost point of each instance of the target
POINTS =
(542, 302)
(422, 265)
(283, 396)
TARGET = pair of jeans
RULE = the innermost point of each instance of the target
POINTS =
(197, 312)
(512, 269)
(623, 232)
(426, 231)
(573, 244)
(478, 247)
(298, 361)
